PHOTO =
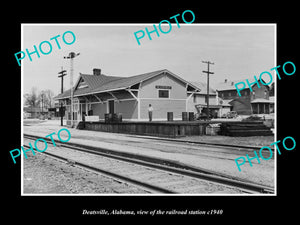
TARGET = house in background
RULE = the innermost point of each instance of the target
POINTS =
(198, 103)
(250, 102)
(34, 112)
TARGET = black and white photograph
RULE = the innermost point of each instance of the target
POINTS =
(165, 116)
(162, 117)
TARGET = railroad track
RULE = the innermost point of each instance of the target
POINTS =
(201, 143)
(154, 175)
(246, 148)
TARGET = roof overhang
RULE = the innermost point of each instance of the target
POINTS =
(93, 93)
(261, 100)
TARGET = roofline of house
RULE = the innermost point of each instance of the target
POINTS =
(234, 88)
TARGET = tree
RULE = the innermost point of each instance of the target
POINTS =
(42, 99)
(49, 95)
(31, 99)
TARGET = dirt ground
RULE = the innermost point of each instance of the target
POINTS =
(45, 175)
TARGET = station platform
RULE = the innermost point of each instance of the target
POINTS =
(176, 129)
(154, 128)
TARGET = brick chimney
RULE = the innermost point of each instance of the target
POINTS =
(97, 72)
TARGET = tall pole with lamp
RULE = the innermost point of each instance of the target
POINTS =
(71, 56)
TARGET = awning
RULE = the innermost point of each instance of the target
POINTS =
(261, 100)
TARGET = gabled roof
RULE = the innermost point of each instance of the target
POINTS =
(102, 83)
(92, 82)
(125, 82)
(230, 84)
(203, 87)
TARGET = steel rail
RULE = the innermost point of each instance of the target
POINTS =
(168, 165)
(145, 186)
(202, 143)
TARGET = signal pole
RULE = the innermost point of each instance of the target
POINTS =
(71, 56)
(62, 74)
(207, 72)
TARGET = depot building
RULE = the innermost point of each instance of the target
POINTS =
(98, 94)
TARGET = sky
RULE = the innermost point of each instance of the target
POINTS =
(238, 51)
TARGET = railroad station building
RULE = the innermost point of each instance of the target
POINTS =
(98, 94)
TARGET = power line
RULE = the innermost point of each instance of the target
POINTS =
(62, 74)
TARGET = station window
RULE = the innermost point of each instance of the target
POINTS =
(163, 93)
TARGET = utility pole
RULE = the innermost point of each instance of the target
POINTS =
(71, 56)
(207, 72)
(62, 74)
